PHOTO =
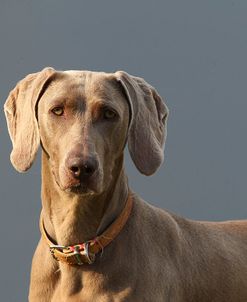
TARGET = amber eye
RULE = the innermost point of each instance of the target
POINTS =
(58, 111)
(109, 114)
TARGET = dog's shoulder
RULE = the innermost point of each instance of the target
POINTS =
(154, 222)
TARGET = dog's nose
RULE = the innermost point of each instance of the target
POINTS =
(79, 167)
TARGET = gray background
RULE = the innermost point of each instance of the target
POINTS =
(193, 52)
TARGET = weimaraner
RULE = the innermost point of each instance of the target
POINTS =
(101, 242)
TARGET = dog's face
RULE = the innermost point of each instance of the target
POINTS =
(83, 120)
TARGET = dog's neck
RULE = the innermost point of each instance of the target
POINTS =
(72, 218)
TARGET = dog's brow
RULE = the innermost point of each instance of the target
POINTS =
(98, 104)
(65, 100)
(57, 100)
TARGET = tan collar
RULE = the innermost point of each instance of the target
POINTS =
(85, 252)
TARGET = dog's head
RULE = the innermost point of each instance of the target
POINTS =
(83, 120)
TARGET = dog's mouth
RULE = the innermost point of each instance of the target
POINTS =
(79, 188)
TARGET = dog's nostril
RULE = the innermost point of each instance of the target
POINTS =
(75, 169)
(88, 170)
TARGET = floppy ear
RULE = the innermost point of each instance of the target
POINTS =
(20, 112)
(147, 130)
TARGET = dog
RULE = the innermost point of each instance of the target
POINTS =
(100, 241)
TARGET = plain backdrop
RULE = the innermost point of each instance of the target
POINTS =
(192, 52)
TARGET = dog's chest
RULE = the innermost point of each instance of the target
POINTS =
(88, 286)
(91, 296)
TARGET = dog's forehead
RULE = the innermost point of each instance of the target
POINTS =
(88, 81)
(85, 76)
(88, 84)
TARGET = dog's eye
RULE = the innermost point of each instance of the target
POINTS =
(58, 111)
(109, 114)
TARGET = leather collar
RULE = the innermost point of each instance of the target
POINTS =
(85, 253)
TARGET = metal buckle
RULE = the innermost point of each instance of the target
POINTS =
(78, 255)
(90, 257)
(58, 247)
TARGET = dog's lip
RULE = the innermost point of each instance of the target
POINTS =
(80, 185)
(79, 188)
(73, 184)
(76, 185)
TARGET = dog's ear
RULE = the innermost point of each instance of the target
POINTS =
(147, 129)
(20, 112)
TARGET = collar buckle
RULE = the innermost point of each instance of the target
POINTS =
(73, 254)
(90, 257)
(83, 256)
